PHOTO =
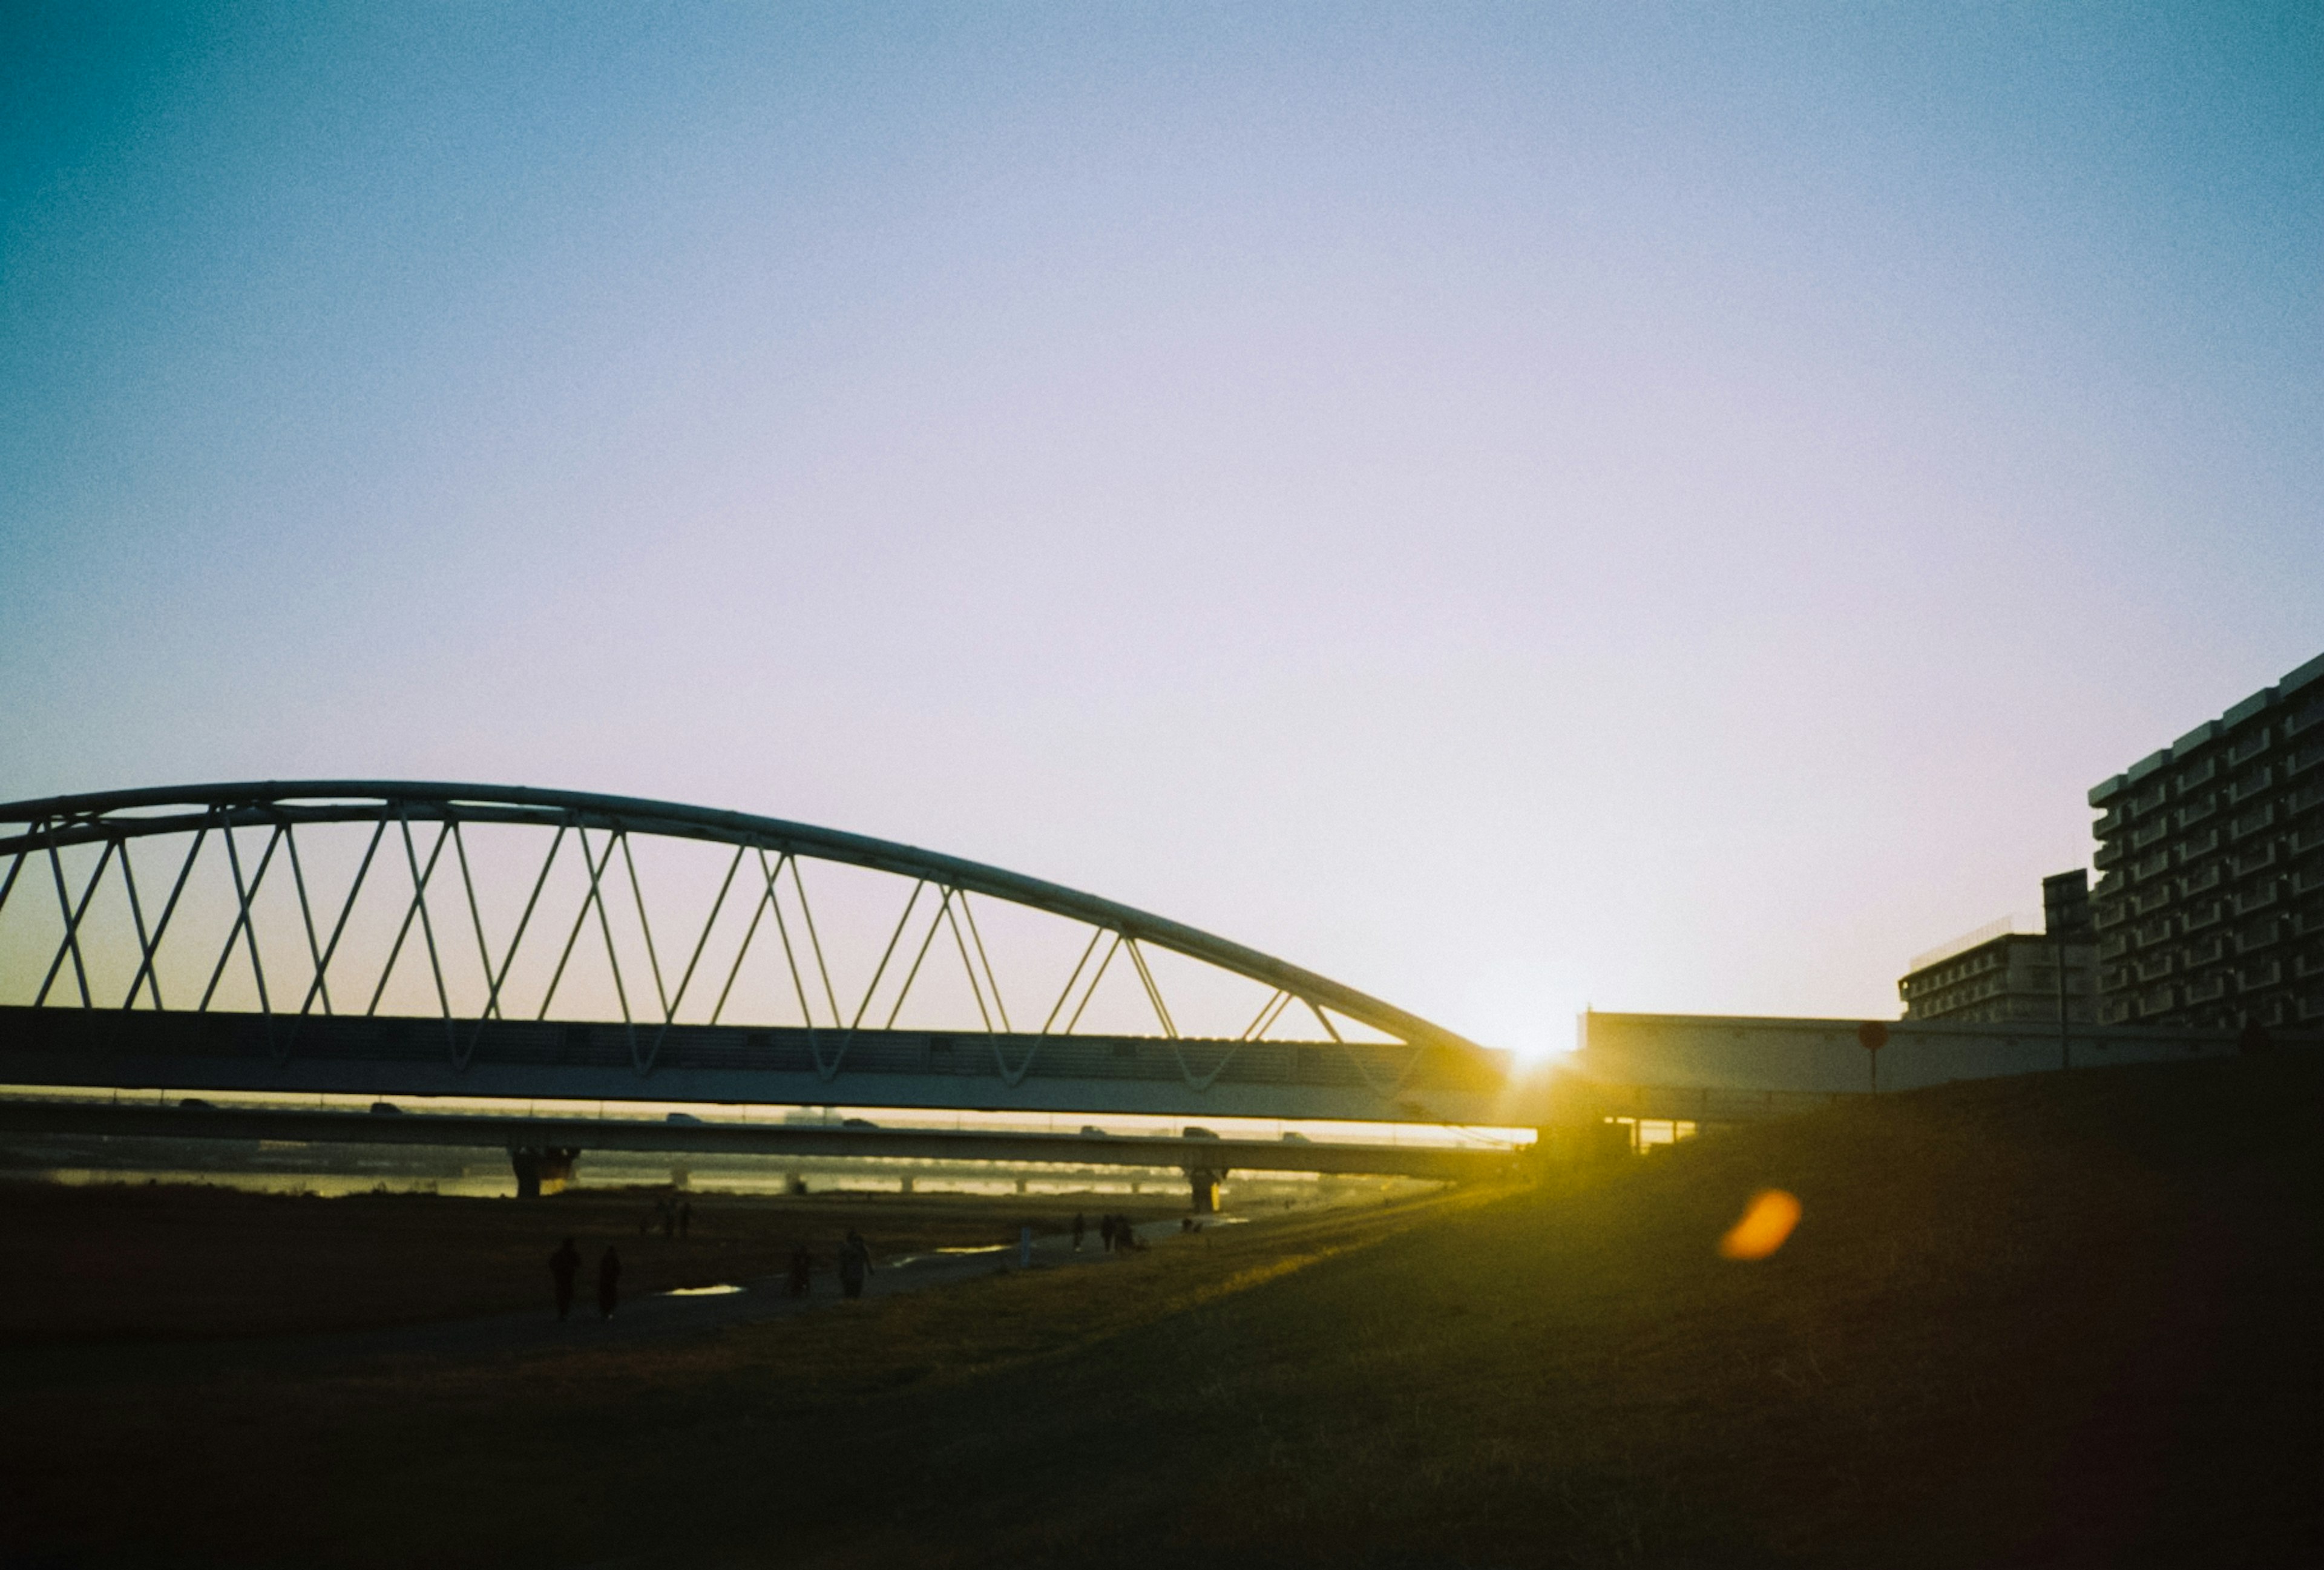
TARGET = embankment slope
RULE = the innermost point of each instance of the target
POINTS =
(2049, 1321)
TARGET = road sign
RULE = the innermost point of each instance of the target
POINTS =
(1872, 1035)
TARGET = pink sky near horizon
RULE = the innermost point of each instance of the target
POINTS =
(1510, 508)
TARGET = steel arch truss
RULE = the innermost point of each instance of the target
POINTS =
(421, 831)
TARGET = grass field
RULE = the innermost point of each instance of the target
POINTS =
(2050, 1321)
(130, 1263)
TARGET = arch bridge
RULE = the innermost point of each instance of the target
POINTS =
(452, 940)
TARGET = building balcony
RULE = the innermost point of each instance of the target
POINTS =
(2110, 913)
(2196, 845)
(2308, 757)
(2188, 816)
(2258, 936)
(2148, 833)
(2206, 952)
(2250, 747)
(2210, 989)
(2109, 855)
(2256, 861)
(2114, 947)
(2159, 1000)
(2251, 822)
(2156, 968)
(2257, 783)
(2108, 824)
(2268, 973)
(2307, 880)
(2199, 774)
(2258, 899)
(2210, 877)
(2310, 963)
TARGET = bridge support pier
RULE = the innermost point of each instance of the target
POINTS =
(546, 1169)
(1205, 1183)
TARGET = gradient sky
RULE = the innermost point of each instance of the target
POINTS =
(1666, 507)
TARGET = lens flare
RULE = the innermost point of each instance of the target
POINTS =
(1766, 1221)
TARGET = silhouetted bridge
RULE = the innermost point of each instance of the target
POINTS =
(410, 939)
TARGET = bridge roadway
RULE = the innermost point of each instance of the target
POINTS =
(522, 1134)
(549, 1060)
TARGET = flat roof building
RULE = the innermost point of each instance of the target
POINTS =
(2209, 904)
(1997, 975)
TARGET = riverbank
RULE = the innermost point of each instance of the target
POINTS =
(2057, 1321)
(131, 1261)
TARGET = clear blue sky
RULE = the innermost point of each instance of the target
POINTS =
(1668, 506)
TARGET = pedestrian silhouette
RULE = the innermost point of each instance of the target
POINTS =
(609, 1282)
(1105, 1231)
(855, 1264)
(1077, 1231)
(563, 1266)
(802, 1269)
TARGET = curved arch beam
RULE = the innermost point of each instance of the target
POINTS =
(60, 821)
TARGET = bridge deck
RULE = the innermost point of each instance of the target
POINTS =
(555, 1060)
(715, 1138)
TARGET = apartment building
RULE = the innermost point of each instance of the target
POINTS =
(2209, 904)
(1997, 975)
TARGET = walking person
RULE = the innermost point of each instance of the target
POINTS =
(609, 1282)
(855, 1264)
(1105, 1231)
(563, 1266)
(1077, 1231)
(802, 1271)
